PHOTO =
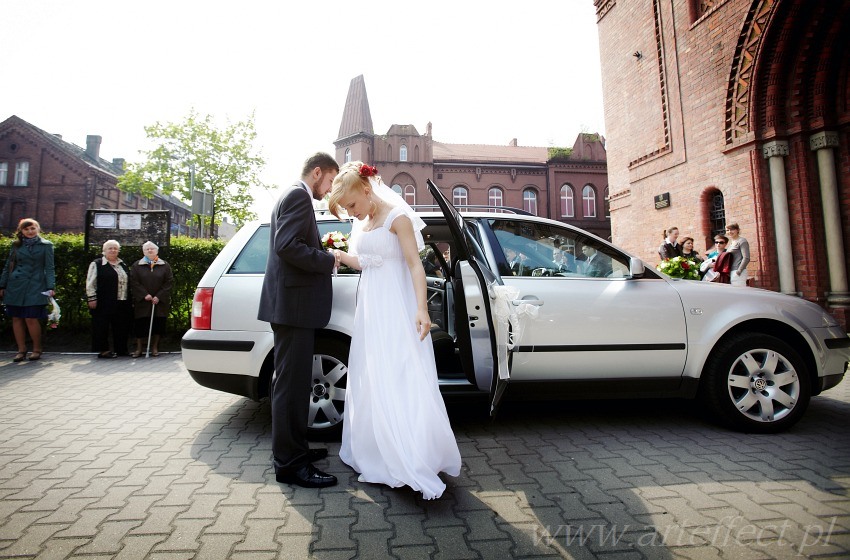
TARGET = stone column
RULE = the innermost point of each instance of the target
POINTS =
(774, 152)
(823, 144)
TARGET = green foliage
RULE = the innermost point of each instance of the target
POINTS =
(189, 259)
(559, 154)
(223, 161)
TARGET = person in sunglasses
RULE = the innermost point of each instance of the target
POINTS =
(719, 267)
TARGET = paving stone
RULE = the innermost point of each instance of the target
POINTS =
(229, 519)
(408, 531)
(167, 469)
(370, 516)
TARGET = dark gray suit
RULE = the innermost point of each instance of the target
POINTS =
(296, 300)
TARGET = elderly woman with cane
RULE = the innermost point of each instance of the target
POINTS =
(151, 280)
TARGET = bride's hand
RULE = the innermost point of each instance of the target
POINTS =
(423, 324)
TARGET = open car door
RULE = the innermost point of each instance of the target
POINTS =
(474, 285)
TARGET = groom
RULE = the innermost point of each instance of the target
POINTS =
(296, 300)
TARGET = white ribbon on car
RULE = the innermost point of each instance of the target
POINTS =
(510, 323)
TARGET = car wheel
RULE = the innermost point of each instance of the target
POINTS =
(756, 383)
(327, 389)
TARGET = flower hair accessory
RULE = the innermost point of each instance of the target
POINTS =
(367, 171)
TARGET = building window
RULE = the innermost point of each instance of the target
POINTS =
(494, 197)
(128, 198)
(389, 153)
(397, 189)
(22, 173)
(568, 209)
(529, 201)
(144, 203)
(588, 202)
(460, 196)
(415, 153)
(607, 203)
(347, 155)
(4, 173)
(402, 153)
(410, 194)
(717, 215)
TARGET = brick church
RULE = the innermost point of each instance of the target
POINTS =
(722, 111)
(568, 185)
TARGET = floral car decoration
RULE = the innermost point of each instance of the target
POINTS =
(679, 267)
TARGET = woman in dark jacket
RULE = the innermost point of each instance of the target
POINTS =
(28, 275)
(151, 279)
(108, 294)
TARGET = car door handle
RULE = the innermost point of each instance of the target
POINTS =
(537, 302)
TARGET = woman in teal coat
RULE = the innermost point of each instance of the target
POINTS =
(27, 277)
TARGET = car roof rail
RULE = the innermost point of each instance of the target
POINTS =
(474, 207)
(461, 207)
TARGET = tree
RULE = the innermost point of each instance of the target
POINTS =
(222, 161)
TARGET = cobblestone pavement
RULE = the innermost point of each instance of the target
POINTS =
(131, 459)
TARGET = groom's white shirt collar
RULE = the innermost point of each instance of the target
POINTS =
(307, 188)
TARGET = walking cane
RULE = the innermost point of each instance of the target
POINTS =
(150, 330)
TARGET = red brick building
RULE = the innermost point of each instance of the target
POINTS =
(739, 110)
(572, 188)
(44, 177)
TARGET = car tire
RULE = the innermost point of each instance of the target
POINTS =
(327, 389)
(755, 383)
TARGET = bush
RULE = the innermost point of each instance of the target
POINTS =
(188, 257)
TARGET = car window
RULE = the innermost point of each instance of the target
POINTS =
(534, 249)
(252, 259)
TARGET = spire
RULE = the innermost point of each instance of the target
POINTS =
(356, 118)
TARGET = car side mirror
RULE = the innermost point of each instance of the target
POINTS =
(636, 268)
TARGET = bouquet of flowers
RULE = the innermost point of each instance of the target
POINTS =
(335, 240)
(679, 267)
(54, 315)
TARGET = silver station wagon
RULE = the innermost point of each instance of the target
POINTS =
(528, 307)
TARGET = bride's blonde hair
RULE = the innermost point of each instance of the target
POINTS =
(354, 174)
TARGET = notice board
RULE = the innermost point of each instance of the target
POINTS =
(130, 228)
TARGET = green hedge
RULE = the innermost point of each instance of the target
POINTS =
(189, 259)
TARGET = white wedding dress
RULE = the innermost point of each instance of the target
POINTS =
(396, 429)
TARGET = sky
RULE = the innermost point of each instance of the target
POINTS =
(482, 72)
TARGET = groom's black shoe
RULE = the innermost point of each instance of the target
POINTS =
(307, 476)
(317, 454)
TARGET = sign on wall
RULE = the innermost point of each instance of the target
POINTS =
(662, 201)
(128, 227)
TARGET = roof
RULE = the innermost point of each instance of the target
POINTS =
(105, 166)
(485, 153)
(356, 117)
(73, 150)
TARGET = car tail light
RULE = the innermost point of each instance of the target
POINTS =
(202, 309)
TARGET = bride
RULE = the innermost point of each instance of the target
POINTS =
(396, 429)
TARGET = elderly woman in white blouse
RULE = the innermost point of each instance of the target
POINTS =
(108, 294)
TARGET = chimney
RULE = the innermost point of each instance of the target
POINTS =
(93, 146)
(513, 143)
(118, 162)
